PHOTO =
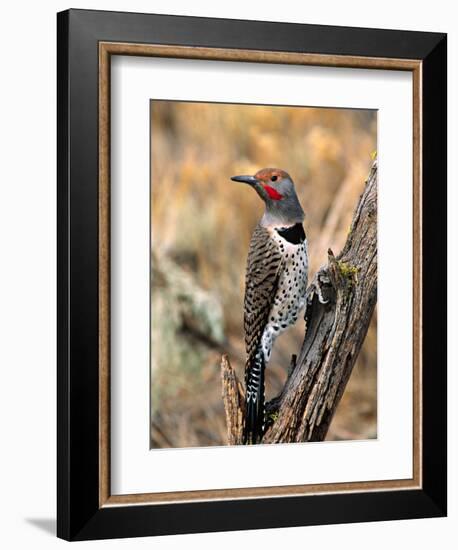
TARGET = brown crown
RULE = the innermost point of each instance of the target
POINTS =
(266, 174)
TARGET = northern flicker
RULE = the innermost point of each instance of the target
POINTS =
(275, 284)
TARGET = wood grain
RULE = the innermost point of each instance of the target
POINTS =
(258, 56)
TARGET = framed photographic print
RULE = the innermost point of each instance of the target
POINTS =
(252, 274)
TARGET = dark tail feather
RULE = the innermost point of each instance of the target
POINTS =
(254, 400)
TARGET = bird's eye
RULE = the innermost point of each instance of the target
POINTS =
(274, 178)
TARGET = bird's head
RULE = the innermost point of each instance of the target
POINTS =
(276, 189)
(271, 184)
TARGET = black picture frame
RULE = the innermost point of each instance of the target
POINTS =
(80, 516)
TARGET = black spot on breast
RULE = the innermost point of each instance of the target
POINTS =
(294, 234)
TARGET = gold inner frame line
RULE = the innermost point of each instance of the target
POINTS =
(106, 50)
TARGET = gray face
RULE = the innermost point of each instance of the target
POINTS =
(276, 189)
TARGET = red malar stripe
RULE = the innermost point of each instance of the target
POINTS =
(273, 193)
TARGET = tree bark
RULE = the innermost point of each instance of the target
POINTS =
(340, 303)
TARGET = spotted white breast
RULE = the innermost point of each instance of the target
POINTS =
(291, 290)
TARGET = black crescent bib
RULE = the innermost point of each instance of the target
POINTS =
(294, 234)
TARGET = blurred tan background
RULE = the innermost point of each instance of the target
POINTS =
(201, 227)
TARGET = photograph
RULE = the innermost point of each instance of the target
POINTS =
(247, 202)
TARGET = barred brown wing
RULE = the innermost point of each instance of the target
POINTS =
(264, 267)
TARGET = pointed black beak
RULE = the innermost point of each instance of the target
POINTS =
(251, 180)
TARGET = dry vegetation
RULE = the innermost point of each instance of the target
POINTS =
(201, 226)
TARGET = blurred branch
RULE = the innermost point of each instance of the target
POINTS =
(338, 211)
(234, 402)
(335, 332)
